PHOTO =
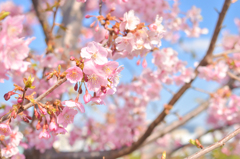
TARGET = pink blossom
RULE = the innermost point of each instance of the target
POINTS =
(12, 26)
(125, 43)
(96, 77)
(5, 129)
(61, 130)
(53, 125)
(96, 52)
(157, 26)
(74, 74)
(44, 134)
(72, 104)
(130, 21)
(15, 137)
(9, 151)
(3, 73)
(66, 116)
(15, 52)
(213, 72)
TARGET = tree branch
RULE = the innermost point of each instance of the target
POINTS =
(177, 123)
(214, 146)
(43, 21)
(38, 99)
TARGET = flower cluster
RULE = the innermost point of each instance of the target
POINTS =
(11, 145)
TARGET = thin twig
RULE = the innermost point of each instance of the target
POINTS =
(199, 137)
(214, 146)
(100, 7)
(226, 53)
(200, 90)
(37, 99)
(233, 76)
(54, 15)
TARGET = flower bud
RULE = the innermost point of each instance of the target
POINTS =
(144, 63)
(8, 95)
(103, 89)
(88, 16)
(25, 120)
(80, 90)
(138, 62)
(38, 125)
(87, 97)
(72, 58)
(76, 87)
(20, 100)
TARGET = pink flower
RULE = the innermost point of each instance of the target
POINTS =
(130, 21)
(74, 74)
(66, 116)
(125, 43)
(61, 130)
(96, 52)
(12, 26)
(109, 68)
(53, 126)
(9, 151)
(157, 26)
(87, 97)
(44, 134)
(72, 104)
(15, 137)
(15, 52)
(5, 129)
(83, 1)
(96, 77)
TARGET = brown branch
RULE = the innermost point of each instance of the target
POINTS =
(199, 137)
(214, 146)
(233, 76)
(178, 123)
(38, 99)
(43, 21)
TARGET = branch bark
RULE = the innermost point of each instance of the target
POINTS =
(43, 21)
(214, 146)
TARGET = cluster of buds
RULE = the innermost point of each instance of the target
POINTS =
(58, 73)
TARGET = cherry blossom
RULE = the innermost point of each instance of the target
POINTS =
(74, 74)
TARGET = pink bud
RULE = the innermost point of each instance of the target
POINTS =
(87, 97)
(88, 16)
(20, 100)
(106, 35)
(72, 58)
(76, 87)
(138, 62)
(38, 125)
(53, 126)
(103, 89)
(36, 113)
(144, 63)
(85, 78)
(121, 19)
(8, 95)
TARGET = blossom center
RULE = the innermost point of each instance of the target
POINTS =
(93, 78)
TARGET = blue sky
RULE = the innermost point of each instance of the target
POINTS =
(188, 101)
